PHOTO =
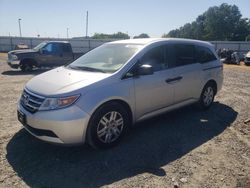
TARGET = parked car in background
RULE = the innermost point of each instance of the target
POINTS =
(230, 57)
(99, 96)
(46, 54)
(21, 46)
(242, 56)
(247, 59)
(225, 55)
(235, 58)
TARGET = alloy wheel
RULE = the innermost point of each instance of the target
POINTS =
(208, 96)
(110, 127)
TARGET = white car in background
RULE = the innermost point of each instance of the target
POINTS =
(247, 59)
(97, 97)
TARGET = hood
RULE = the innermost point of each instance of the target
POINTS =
(16, 52)
(62, 80)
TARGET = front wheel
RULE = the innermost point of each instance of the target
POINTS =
(207, 96)
(107, 125)
(26, 67)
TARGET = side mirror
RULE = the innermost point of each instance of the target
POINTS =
(145, 70)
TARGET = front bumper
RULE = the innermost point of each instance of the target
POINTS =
(63, 126)
(13, 64)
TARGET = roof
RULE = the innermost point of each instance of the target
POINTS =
(57, 41)
(152, 40)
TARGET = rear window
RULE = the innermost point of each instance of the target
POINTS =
(204, 54)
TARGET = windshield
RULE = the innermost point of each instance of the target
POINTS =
(106, 58)
(39, 46)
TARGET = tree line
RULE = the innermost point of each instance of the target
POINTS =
(221, 23)
(118, 35)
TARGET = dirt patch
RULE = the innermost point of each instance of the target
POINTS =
(185, 148)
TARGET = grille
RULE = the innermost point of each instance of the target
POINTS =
(248, 58)
(31, 101)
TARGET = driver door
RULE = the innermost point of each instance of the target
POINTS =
(50, 55)
(152, 92)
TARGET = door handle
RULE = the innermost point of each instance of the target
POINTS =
(170, 80)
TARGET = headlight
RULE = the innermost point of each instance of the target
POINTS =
(56, 103)
(14, 57)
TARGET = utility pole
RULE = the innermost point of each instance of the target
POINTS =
(67, 33)
(20, 31)
(87, 22)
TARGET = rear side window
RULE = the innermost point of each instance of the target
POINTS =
(66, 48)
(180, 54)
(204, 54)
(156, 58)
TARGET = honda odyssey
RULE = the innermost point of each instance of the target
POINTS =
(99, 96)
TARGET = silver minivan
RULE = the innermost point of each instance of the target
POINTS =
(99, 96)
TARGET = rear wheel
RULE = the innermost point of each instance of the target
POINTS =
(107, 125)
(207, 96)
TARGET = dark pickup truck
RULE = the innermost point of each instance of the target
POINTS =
(46, 54)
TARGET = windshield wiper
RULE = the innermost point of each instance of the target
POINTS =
(91, 69)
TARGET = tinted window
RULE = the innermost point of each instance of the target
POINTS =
(204, 54)
(66, 48)
(180, 54)
(155, 58)
(56, 48)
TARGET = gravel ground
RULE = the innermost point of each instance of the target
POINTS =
(184, 148)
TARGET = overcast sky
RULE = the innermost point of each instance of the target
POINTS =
(51, 18)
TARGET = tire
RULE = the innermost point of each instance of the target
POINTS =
(107, 126)
(26, 67)
(207, 96)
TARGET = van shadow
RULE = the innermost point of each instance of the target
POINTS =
(148, 147)
(19, 72)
